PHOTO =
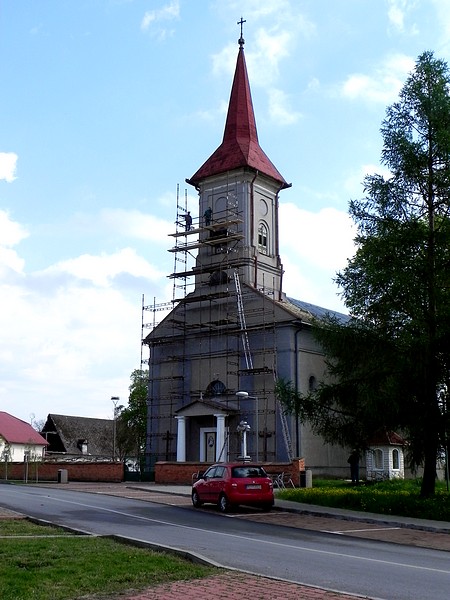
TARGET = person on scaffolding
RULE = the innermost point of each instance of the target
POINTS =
(207, 215)
(188, 220)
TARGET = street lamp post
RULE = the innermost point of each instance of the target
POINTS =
(114, 400)
(245, 395)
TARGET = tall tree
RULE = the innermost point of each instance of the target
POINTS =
(390, 363)
(132, 421)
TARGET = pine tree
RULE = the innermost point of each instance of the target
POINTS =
(389, 365)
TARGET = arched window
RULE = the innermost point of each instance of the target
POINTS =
(215, 388)
(312, 383)
(395, 459)
(378, 459)
(263, 238)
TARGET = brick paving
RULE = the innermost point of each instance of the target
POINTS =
(235, 586)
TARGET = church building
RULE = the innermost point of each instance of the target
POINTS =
(232, 332)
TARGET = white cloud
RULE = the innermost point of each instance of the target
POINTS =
(102, 270)
(279, 108)
(79, 340)
(136, 224)
(282, 25)
(255, 9)
(443, 32)
(318, 245)
(11, 233)
(354, 184)
(8, 162)
(166, 13)
(398, 11)
(73, 326)
(10, 261)
(313, 84)
(264, 59)
(383, 85)
(324, 239)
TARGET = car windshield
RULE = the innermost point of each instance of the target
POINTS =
(240, 472)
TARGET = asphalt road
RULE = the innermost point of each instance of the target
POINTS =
(369, 568)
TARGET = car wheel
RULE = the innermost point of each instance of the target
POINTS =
(196, 499)
(223, 504)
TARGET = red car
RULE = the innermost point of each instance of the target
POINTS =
(231, 484)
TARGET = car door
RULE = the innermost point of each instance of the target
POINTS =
(217, 483)
(205, 488)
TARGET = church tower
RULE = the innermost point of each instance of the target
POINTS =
(238, 190)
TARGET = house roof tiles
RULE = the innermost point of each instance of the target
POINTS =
(16, 431)
(65, 432)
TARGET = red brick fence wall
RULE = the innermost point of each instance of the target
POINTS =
(165, 472)
(49, 471)
(181, 473)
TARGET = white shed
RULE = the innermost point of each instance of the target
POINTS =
(385, 457)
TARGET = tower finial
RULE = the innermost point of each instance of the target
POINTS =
(241, 40)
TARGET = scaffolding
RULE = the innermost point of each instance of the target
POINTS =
(205, 331)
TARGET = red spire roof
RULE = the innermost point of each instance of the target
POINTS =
(240, 146)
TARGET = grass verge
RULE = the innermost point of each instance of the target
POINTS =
(394, 497)
(47, 563)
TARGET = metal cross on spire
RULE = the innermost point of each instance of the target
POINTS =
(241, 39)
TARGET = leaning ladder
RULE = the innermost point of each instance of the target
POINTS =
(285, 428)
(249, 363)
(244, 336)
(284, 423)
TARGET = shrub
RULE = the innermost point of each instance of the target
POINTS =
(395, 497)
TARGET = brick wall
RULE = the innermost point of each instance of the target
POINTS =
(181, 473)
(98, 471)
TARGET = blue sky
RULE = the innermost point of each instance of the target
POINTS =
(107, 105)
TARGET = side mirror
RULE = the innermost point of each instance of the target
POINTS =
(198, 475)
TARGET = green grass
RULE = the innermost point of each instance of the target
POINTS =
(69, 566)
(394, 497)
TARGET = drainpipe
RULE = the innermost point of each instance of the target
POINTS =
(296, 372)
(252, 226)
(277, 242)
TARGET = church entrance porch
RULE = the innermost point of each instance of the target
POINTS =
(203, 431)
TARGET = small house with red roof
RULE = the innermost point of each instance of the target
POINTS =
(385, 457)
(19, 441)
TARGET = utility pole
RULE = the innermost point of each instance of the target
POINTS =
(114, 400)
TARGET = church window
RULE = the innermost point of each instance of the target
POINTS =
(395, 459)
(312, 383)
(215, 388)
(378, 459)
(263, 238)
